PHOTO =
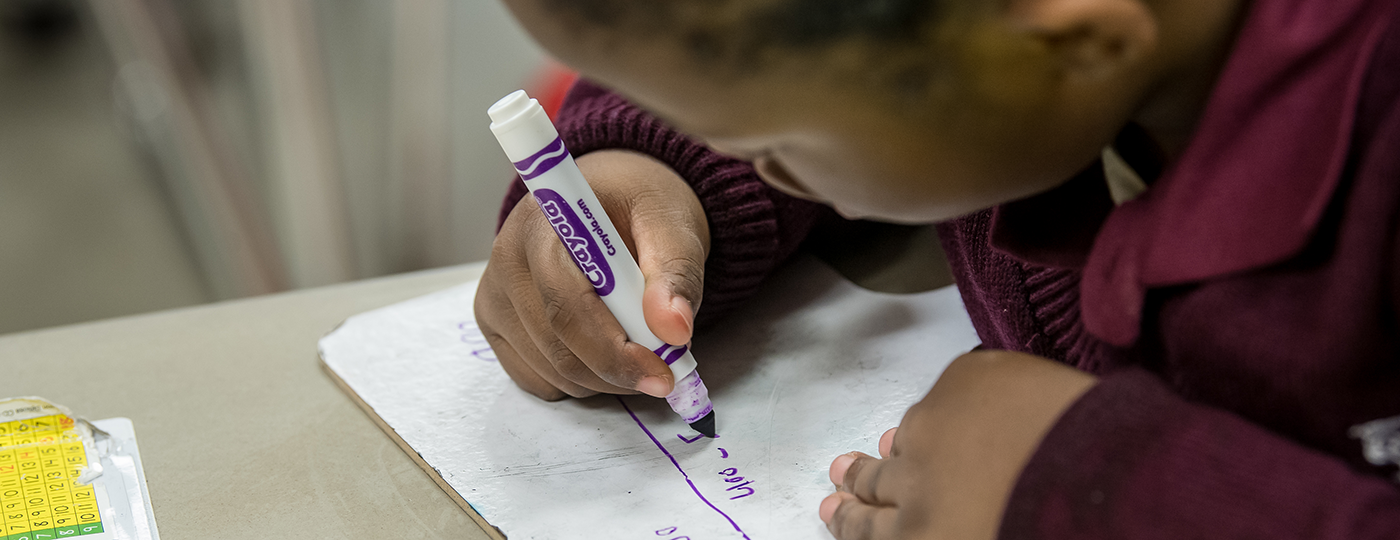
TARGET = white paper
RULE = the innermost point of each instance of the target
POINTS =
(811, 368)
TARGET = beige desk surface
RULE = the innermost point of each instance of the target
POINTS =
(243, 436)
(241, 433)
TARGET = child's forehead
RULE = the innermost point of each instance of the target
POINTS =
(782, 17)
(737, 35)
(708, 97)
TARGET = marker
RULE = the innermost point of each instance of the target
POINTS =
(531, 141)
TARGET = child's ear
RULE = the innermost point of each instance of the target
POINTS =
(1092, 39)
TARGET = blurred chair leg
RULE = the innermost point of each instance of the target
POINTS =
(307, 195)
(419, 131)
(212, 192)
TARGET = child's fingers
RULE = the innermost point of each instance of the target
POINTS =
(837, 472)
(669, 314)
(524, 345)
(522, 324)
(520, 372)
(579, 336)
(673, 262)
(538, 343)
(498, 318)
(670, 237)
(873, 480)
(887, 443)
(493, 313)
(853, 519)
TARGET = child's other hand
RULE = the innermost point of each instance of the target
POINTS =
(551, 332)
(949, 468)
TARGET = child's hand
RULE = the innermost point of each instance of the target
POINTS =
(551, 332)
(948, 470)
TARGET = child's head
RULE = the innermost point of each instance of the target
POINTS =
(904, 110)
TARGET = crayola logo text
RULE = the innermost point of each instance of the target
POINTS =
(577, 240)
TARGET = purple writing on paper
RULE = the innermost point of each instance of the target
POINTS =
(577, 240)
(682, 471)
(472, 336)
(668, 531)
(739, 483)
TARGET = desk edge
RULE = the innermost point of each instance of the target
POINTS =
(481, 522)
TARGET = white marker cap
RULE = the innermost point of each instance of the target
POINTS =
(520, 125)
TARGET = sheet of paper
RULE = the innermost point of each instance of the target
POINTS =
(811, 368)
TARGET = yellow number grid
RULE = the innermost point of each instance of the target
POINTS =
(40, 460)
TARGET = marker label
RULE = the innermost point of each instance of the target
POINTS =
(577, 239)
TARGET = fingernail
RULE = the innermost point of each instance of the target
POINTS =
(839, 466)
(828, 507)
(887, 443)
(653, 386)
(682, 306)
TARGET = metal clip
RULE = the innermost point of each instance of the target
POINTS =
(1380, 441)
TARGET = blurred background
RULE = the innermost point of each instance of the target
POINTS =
(163, 153)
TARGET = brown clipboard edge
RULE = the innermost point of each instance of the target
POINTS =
(488, 528)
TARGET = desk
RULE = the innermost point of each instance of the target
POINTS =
(241, 433)
(243, 436)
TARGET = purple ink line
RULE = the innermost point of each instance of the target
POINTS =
(678, 468)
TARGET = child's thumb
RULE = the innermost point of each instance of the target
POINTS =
(673, 290)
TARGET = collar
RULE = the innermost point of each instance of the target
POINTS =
(1255, 179)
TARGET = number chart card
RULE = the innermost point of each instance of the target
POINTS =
(811, 368)
(56, 471)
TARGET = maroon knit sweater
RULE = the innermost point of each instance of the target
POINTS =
(1244, 313)
(753, 227)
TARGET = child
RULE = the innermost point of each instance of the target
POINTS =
(1193, 202)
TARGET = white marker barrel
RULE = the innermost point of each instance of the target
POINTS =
(533, 144)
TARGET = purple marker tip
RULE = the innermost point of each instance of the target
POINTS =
(691, 400)
(706, 425)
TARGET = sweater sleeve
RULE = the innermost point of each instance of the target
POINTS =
(753, 228)
(1131, 459)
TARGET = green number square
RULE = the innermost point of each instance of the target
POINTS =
(90, 528)
(65, 532)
